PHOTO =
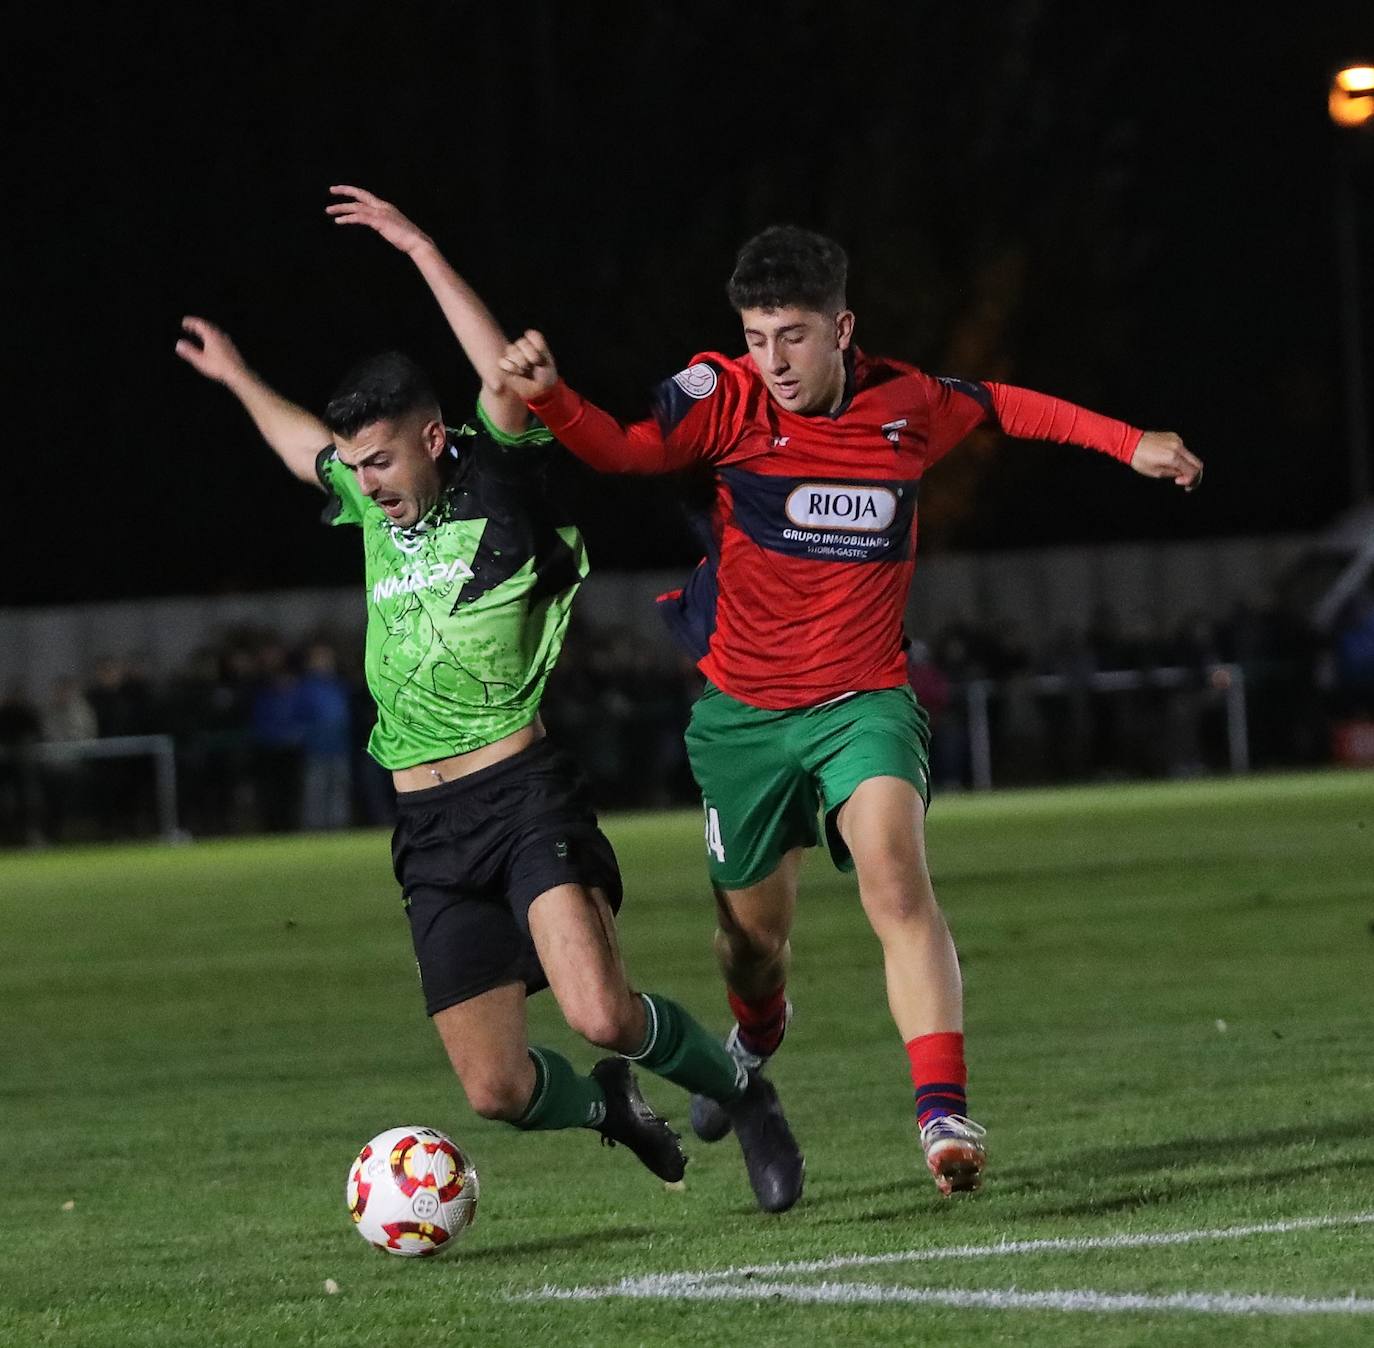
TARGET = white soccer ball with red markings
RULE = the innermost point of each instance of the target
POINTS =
(412, 1191)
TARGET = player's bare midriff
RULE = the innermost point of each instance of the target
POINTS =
(424, 775)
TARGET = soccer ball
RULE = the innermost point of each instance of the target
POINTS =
(412, 1191)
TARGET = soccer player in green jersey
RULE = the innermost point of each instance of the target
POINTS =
(509, 884)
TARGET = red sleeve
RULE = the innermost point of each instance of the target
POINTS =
(597, 438)
(1037, 416)
(955, 407)
(697, 418)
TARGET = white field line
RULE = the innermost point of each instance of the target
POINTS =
(696, 1285)
(999, 1299)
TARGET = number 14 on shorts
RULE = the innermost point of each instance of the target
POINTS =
(714, 845)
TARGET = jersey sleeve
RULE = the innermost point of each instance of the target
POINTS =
(514, 460)
(700, 411)
(698, 418)
(957, 406)
(1037, 416)
(346, 502)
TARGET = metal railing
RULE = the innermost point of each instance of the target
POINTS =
(160, 748)
(1223, 684)
(1227, 679)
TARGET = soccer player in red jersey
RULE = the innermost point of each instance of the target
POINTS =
(795, 614)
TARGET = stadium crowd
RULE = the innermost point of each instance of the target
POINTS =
(269, 735)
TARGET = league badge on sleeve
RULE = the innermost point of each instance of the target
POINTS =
(696, 381)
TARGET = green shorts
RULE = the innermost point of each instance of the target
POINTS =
(765, 775)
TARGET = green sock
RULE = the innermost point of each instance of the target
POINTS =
(678, 1049)
(562, 1098)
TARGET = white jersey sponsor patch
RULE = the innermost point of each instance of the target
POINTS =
(825, 505)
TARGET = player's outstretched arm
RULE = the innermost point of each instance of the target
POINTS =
(1038, 416)
(295, 434)
(471, 321)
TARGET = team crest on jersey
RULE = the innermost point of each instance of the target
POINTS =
(826, 505)
(411, 539)
(696, 381)
(405, 540)
(892, 430)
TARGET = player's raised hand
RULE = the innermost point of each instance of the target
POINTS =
(528, 366)
(208, 349)
(1163, 454)
(361, 207)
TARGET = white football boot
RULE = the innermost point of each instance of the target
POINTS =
(955, 1153)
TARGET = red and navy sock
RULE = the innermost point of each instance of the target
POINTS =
(761, 1023)
(939, 1075)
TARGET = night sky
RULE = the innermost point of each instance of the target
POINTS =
(1126, 206)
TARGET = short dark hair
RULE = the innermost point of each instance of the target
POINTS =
(786, 267)
(378, 389)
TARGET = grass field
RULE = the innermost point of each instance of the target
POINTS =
(1171, 1010)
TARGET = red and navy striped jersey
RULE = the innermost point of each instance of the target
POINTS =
(813, 524)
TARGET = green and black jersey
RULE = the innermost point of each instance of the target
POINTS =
(466, 609)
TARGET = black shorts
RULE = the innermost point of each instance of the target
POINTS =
(471, 856)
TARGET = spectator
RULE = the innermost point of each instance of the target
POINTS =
(928, 681)
(208, 715)
(68, 718)
(69, 714)
(934, 692)
(1353, 648)
(109, 699)
(276, 741)
(1190, 711)
(323, 720)
(1105, 641)
(1023, 735)
(122, 696)
(145, 710)
(1069, 715)
(21, 797)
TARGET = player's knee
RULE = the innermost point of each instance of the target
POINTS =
(766, 944)
(605, 1020)
(899, 897)
(497, 1097)
(755, 945)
